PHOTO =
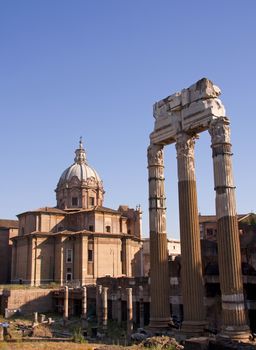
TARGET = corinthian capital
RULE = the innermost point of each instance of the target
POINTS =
(185, 145)
(220, 131)
(155, 155)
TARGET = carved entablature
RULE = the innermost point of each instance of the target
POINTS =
(220, 131)
(155, 155)
(189, 111)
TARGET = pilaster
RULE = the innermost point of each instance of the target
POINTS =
(14, 261)
(84, 259)
(59, 259)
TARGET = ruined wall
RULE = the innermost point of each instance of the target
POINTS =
(27, 300)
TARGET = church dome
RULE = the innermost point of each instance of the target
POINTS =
(81, 169)
(80, 184)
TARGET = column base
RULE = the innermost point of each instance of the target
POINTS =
(191, 329)
(238, 333)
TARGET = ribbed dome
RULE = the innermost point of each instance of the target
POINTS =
(83, 171)
(80, 168)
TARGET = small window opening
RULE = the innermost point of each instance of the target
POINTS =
(74, 201)
(91, 201)
(69, 274)
(69, 255)
(90, 255)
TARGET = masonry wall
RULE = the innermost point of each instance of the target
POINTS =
(102, 220)
(5, 253)
(45, 254)
(50, 223)
(107, 257)
(27, 300)
(22, 258)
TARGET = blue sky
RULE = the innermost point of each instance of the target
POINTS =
(95, 68)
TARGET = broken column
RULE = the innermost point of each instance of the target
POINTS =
(65, 313)
(191, 263)
(36, 317)
(159, 279)
(129, 312)
(105, 307)
(234, 319)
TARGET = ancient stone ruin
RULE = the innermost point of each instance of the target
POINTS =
(179, 118)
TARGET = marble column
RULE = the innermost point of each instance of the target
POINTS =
(65, 311)
(119, 305)
(141, 305)
(191, 262)
(159, 274)
(234, 317)
(105, 307)
(84, 302)
(99, 304)
(129, 312)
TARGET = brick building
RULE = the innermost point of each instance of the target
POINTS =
(8, 229)
(79, 240)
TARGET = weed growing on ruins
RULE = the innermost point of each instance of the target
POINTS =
(78, 336)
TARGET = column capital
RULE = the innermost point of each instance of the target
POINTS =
(155, 155)
(219, 130)
(185, 145)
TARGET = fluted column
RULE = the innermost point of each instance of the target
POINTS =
(234, 319)
(159, 276)
(191, 264)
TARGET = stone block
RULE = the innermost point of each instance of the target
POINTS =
(200, 343)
